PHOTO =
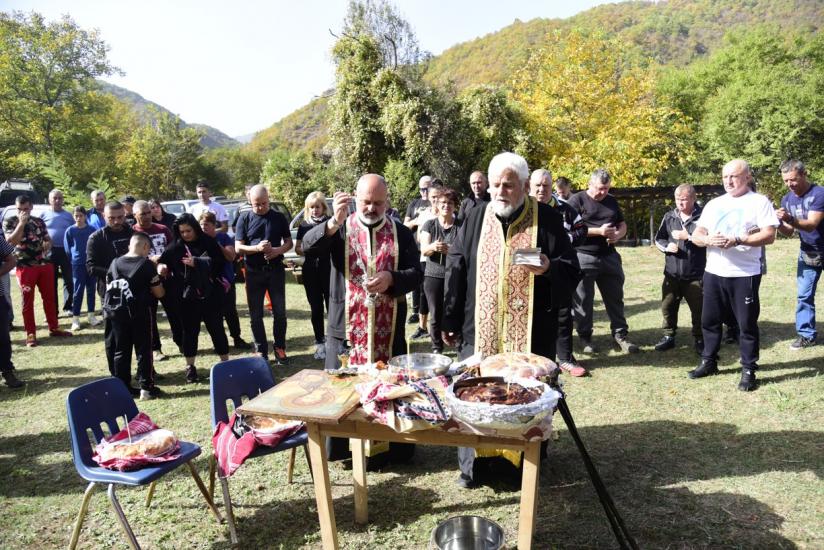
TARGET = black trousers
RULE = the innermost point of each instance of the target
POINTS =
(230, 312)
(155, 331)
(738, 295)
(433, 288)
(563, 343)
(419, 303)
(257, 283)
(316, 286)
(209, 312)
(672, 291)
(5, 339)
(122, 337)
(63, 264)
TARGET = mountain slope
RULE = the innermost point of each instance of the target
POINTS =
(212, 137)
(674, 32)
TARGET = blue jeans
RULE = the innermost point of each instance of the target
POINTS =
(807, 280)
(82, 281)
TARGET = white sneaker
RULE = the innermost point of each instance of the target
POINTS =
(93, 321)
(75, 324)
(320, 351)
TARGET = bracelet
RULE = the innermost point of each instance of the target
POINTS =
(792, 221)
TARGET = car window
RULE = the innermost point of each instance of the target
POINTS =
(175, 208)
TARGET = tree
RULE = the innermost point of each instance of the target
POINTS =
(162, 159)
(588, 104)
(47, 82)
(392, 33)
(757, 98)
(233, 167)
(292, 175)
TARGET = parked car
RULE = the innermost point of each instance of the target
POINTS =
(11, 189)
(178, 207)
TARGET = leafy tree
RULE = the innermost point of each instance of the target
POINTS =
(757, 98)
(162, 159)
(292, 175)
(47, 73)
(587, 103)
(233, 167)
(392, 33)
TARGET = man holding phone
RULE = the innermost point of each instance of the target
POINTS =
(600, 262)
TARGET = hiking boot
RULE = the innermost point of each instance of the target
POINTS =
(699, 346)
(414, 318)
(589, 347)
(191, 374)
(320, 351)
(58, 333)
(240, 343)
(419, 333)
(572, 367)
(280, 356)
(158, 356)
(666, 342)
(31, 339)
(11, 380)
(94, 321)
(625, 345)
(150, 392)
(75, 323)
(706, 368)
(801, 343)
(748, 381)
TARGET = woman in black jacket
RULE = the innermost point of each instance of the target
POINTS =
(193, 267)
(159, 215)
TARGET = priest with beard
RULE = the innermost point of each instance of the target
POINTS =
(374, 264)
(493, 304)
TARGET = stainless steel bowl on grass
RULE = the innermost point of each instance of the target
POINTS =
(467, 533)
(418, 366)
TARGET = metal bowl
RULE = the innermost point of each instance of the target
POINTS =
(420, 365)
(467, 533)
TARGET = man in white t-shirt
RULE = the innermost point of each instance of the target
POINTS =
(206, 204)
(733, 228)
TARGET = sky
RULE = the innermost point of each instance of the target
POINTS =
(242, 66)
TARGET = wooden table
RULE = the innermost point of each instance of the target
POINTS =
(354, 425)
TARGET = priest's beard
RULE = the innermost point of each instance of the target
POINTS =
(369, 220)
(508, 210)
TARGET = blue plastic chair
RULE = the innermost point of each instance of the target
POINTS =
(107, 401)
(231, 381)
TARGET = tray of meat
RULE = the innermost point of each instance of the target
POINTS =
(496, 402)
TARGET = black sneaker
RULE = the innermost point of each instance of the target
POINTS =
(666, 342)
(801, 343)
(191, 374)
(748, 381)
(465, 482)
(150, 392)
(11, 380)
(699, 346)
(240, 343)
(419, 333)
(706, 368)
(134, 391)
(414, 318)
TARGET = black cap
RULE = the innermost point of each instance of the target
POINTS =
(129, 198)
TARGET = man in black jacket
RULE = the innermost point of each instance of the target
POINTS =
(683, 267)
(104, 245)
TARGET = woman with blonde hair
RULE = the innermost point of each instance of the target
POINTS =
(315, 268)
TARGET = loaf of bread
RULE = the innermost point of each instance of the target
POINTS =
(518, 364)
(151, 444)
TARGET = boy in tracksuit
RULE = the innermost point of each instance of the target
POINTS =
(136, 277)
(683, 267)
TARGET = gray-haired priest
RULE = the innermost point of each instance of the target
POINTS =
(374, 264)
(494, 305)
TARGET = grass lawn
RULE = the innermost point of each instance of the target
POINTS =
(689, 463)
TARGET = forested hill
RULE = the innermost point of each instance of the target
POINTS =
(212, 137)
(674, 32)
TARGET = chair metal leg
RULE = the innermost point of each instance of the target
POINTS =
(212, 472)
(84, 507)
(290, 469)
(204, 491)
(122, 517)
(308, 462)
(150, 494)
(230, 513)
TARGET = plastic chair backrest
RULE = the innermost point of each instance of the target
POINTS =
(235, 378)
(93, 404)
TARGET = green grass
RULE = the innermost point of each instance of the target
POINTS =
(689, 463)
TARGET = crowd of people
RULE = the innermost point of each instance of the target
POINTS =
(459, 259)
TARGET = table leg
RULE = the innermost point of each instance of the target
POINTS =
(359, 474)
(529, 494)
(323, 488)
